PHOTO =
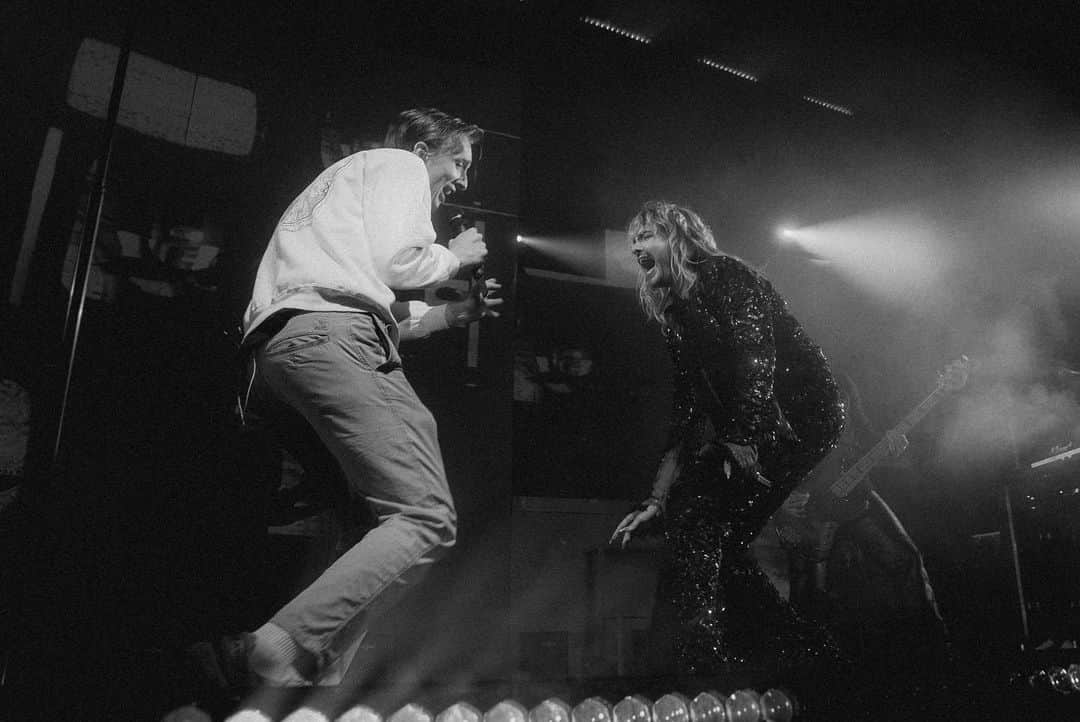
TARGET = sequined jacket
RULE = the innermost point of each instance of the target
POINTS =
(744, 365)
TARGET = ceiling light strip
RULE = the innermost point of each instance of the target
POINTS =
(829, 106)
(728, 69)
(605, 25)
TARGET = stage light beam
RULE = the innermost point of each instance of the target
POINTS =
(900, 256)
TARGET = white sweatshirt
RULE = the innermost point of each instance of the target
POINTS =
(360, 229)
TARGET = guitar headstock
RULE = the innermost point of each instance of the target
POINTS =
(955, 375)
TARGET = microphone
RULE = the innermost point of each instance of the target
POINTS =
(458, 225)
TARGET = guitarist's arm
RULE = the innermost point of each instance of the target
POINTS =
(796, 505)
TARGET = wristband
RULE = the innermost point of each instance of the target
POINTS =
(653, 501)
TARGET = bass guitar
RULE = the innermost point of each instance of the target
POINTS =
(841, 501)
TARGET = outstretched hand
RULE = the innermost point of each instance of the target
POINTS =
(475, 306)
(632, 521)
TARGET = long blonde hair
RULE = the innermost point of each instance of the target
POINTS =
(690, 241)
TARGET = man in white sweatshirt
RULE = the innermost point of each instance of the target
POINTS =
(324, 329)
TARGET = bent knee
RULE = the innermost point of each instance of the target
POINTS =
(437, 524)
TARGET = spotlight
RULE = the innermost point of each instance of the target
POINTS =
(520, 238)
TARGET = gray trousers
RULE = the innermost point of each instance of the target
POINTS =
(343, 375)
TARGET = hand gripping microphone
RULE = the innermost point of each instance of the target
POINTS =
(478, 283)
(458, 225)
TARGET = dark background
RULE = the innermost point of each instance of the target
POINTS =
(150, 536)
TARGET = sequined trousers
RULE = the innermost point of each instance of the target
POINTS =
(715, 609)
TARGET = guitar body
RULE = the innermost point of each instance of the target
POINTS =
(838, 493)
(808, 537)
(825, 503)
(829, 508)
(811, 535)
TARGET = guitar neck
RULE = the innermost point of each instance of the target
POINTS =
(858, 471)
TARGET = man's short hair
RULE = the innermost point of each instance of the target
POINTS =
(438, 130)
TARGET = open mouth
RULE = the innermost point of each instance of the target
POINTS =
(646, 261)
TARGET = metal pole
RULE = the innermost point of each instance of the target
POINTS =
(88, 242)
(1016, 570)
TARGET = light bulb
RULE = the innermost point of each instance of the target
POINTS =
(707, 707)
(672, 707)
(460, 712)
(777, 706)
(552, 709)
(632, 709)
(743, 706)
(506, 711)
(411, 713)
(593, 709)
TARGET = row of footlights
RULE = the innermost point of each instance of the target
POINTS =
(745, 705)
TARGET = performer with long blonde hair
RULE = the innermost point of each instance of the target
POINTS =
(755, 409)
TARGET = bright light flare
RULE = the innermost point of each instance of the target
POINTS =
(787, 233)
(899, 256)
(576, 254)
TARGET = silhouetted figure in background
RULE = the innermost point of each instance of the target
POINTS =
(811, 522)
